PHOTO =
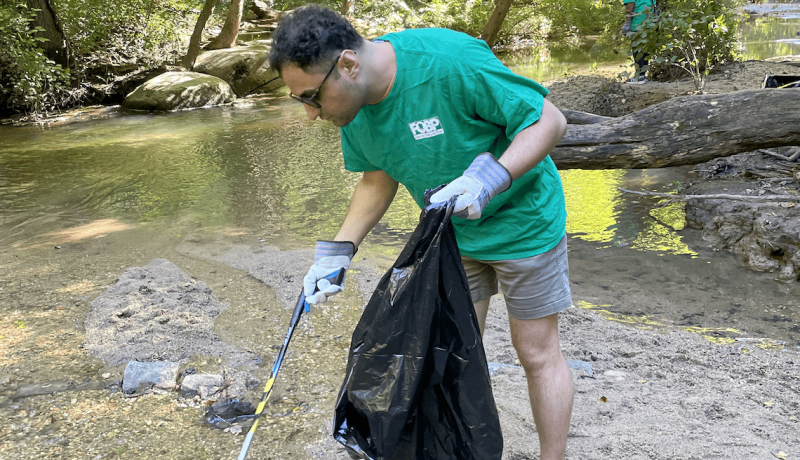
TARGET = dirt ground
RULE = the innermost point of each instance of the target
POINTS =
(642, 390)
(602, 94)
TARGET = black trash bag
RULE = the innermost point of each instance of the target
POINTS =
(417, 383)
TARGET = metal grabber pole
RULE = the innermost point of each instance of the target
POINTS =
(335, 278)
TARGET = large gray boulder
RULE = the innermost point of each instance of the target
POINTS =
(180, 90)
(244, 67)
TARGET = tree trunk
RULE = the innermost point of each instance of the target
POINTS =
(347, 7)
(194, 42)
(230, 30)
(55, 48)
(684, 130)
(492, 28)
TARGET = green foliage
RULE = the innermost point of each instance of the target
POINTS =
(28, 80)
(689, 37)
(469, 16)
(530, 19)
(147, 32)
(570, 18)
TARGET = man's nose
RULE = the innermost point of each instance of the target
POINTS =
(312, 112)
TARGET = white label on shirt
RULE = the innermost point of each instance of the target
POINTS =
(424, 129)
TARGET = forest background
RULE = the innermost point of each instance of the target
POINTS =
(55, 52)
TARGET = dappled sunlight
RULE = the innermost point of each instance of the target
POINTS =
(660, 234)
(718, 335)
(660, 238)
(170, 79)
(13, 331)
(640, 322)
(81, 287)
(96, 229)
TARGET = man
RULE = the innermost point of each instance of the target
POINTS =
(432, 106)
(635, 13)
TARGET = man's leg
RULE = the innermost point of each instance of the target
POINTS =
(481, 309)
(549, 381)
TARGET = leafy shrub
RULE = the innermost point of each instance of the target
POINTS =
(569, 18)
(146, 32)
(689, 38)
(28, 80)
(531, 19)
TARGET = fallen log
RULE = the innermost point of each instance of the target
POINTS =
(575, 117)
(716, 196)
(684, 130)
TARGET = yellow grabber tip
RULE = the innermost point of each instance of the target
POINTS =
(260, 408)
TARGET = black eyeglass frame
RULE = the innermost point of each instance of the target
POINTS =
(312, 100)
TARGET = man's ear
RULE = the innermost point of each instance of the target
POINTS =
(349, 64)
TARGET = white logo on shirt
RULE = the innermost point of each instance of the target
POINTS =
(424, 129)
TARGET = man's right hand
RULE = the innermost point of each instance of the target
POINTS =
(329, 258)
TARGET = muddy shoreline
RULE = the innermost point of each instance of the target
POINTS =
(655, 391)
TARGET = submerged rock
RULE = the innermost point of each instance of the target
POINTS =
(179, 90)
(41, 388)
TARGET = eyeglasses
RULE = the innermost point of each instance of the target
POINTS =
(312, 100)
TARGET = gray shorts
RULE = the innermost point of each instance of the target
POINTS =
(533, 288)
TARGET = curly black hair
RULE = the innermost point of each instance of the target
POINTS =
(311, 35)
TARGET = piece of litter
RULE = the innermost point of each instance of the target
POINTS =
(494, 367)
(581, 366)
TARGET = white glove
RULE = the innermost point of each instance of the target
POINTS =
(483, 180)
(329, 258)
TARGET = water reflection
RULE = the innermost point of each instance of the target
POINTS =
(765, 37)
(593, 203)
(554, 61)
(659, 234)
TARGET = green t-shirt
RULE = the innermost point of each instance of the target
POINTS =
(452, 100)
(640, 11)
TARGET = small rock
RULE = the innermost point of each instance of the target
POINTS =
(139, 376)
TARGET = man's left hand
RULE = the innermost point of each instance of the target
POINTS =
(483, 180)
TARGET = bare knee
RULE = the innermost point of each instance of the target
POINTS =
(536, 342)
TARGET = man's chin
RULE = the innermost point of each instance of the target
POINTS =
(341, 122)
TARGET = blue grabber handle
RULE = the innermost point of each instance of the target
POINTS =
(335, 278)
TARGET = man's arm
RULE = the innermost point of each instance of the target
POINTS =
(371, 198)
(487, 176)
(535, 142)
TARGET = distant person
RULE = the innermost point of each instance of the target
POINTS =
(425, 107)
(635, 13)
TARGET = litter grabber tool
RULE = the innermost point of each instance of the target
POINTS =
(334, 278)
